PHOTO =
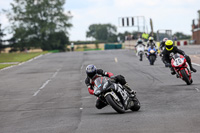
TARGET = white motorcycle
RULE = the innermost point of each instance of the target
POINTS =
(140, 51)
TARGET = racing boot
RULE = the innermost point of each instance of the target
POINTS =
(128, 89)
(192, 69)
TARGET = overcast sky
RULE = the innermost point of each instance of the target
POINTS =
(176, 15)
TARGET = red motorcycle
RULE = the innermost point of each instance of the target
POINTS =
(181, 68)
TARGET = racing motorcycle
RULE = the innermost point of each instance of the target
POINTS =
(181, 67)
(152, 54)
(115, 95)
(140, 51)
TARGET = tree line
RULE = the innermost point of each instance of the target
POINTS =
(39, 24)
(108, 33)
(44, 24)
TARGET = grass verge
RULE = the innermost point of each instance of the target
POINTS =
(18, 57)
(82, 49)
(5, 65)
(15, 58)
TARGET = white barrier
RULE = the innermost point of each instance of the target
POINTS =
(130, 44)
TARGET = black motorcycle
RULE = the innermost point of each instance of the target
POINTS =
(115, 95)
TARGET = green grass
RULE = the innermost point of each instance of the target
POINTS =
(18, 57)
(5, 65)
(91, 49)
(82, 49)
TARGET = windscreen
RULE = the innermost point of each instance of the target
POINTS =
(100, 83)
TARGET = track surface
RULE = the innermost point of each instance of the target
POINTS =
(48, 95)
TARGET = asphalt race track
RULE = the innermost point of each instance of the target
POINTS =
(48, 95)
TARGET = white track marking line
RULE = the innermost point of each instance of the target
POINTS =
(197, 89)
(116, 59)
(35, 94)
(46, 82)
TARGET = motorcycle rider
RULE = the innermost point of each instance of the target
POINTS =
(139, 42)
(93, 73)
(169, 48)
(162, 43)
(151, 42)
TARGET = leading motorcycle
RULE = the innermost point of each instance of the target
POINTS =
(115, 95)
(181, 67)
(152, 54)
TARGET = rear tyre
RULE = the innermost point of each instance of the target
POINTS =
(185, 76)
(117, 106)
(140, 57)
(136, 105)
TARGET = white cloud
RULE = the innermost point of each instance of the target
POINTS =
(134, 3)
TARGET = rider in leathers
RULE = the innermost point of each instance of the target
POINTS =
(151, 42)
(139, 42)
(162, 43)
(169, 48)
(93, 73)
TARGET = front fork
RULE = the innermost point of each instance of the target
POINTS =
(187, 70)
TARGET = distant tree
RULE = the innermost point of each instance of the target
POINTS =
(57, 40)
(34, 21)
(181, 36)
(1, 40)
(102, 32)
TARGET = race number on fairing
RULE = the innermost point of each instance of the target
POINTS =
(178, 62)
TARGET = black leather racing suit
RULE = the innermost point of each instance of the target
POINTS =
(90, 82)
(162, 44)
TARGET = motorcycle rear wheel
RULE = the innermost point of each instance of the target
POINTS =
(140, 57)
(185, 76)
(115, 104)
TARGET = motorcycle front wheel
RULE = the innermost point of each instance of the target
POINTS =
(136, 105)
(185, 76)
(117, 106)
(152, 60)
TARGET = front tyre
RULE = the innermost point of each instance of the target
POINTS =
(117, 106)
(191, 81)
(136, 105)
(185, 76)
(152, 60)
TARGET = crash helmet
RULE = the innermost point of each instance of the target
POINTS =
(169, 45)
(139, 41)
(165, 39)
(91, 71)
(151, 39)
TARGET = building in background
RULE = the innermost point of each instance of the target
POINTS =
(196, 30)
